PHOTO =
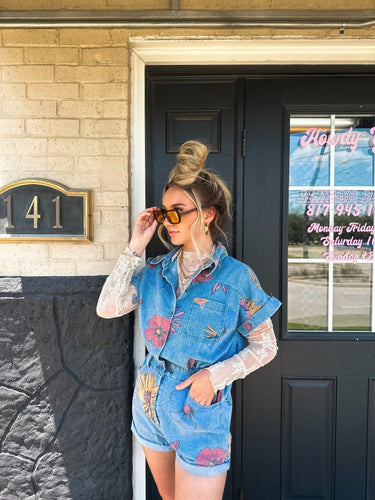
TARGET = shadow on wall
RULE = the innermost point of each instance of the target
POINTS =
(66, 380)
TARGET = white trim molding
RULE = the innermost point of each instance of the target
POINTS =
(209, 51)
(255, 51)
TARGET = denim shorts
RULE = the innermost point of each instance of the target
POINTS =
(165, 419)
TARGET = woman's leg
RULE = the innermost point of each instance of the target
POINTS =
(162, 466)
(191, 486)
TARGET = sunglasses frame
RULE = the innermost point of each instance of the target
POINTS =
(165, 215)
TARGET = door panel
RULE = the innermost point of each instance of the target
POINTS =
(179, 110)
(307, 437)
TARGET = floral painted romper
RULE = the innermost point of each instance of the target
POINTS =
(205, 326)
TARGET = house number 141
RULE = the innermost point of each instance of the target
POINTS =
(32, 212)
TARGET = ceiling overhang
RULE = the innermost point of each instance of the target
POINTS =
(173, 18)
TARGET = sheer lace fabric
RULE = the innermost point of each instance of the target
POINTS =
(260, 350)
(119, 297)
(188, 264)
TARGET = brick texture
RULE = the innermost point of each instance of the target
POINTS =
(64, 117)
(55, 55)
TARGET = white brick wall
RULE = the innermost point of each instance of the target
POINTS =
(64, 117)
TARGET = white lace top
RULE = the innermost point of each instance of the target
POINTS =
(119, 296)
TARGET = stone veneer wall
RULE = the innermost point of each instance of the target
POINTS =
(65, 392)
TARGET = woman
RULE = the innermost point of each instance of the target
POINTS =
(197, 307)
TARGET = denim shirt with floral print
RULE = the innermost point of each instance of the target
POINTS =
(209, 321)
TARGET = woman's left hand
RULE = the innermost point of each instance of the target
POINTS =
(201, 389)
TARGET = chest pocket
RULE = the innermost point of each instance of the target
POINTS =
(206, 320)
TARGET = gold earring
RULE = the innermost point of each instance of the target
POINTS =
(206, 229)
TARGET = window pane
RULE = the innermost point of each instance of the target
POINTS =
(307, 210)
(354, 220)
(307, 296)
(308, 162)
(352, 285)
(354, 160)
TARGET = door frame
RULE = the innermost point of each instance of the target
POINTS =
(225, 52)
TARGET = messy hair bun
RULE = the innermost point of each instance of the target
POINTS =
(191, 158)
(204, 188)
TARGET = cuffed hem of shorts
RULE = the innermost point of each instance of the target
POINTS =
(200, 470)
(150, 444)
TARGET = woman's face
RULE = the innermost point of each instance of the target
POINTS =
(180, 234)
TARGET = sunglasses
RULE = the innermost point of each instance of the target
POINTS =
(173, 216)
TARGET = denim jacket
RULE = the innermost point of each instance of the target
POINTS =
(209, 321)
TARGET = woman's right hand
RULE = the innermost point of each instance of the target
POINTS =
(144, 229)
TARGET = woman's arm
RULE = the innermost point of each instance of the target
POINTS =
(260, 350)
(118, 295)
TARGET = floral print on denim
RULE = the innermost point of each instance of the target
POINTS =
(175, 320)
(209, 457)
(175, 445)
(210, 319)
(210, 332)
(216, 287)
(253, 277)
(183, 424)
(202, 276)
(191, 415)
(158, 330)
(201, 302)
(147, 391)
(250, 307)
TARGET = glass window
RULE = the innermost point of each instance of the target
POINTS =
(331, 223)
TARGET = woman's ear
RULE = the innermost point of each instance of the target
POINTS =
(209, 214)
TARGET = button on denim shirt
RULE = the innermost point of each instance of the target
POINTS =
(211, 318)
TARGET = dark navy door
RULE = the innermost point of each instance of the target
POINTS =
(297, 153)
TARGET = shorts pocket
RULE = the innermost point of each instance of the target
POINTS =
(204, 417)
(216, 400)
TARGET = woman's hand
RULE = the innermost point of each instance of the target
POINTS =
(144, 228)
(201, 389)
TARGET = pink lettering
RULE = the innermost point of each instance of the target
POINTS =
(333, 140)
(348, 138)
(317, 132)
(322, 139)
(354, 141)
(306, 139)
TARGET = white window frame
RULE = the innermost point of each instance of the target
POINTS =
(332, 188)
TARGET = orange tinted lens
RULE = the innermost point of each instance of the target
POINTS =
(173, 216)
(159, 217)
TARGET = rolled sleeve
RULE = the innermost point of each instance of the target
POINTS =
(256, 306)
(264, 312)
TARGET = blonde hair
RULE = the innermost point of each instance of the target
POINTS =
(203, 187)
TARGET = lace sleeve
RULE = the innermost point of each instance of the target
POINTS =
(260, 350)
(118, 295)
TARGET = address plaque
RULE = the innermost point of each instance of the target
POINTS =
(39, 209)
